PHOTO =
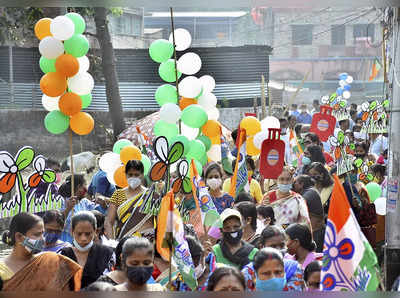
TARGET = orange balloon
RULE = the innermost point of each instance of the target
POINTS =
(67, 65)
(250, 148)
(185, 102)
(42, 28)
(251, 124)
(130, 153)
(70, 103)
(211, 129)
(120, 177)
(81, 123)
(53, 84)
(215, 140)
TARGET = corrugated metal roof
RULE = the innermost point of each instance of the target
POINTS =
(4, 64)
(135, 96)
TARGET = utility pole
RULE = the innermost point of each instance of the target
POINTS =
(392, 239)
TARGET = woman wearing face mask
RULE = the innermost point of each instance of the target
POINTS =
(53, 227)
(232, 250)
(274, 237)
(27, 270)
(249, 217)
(72, 205)
(289, 207)
(312, 153)
(93, 258)
(123, 211)
(300, 245)
(213, 179)
(227, 279)
(312, 276)
(361, 150)
(137, 259)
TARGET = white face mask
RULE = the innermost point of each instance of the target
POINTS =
(214, 183)
(134, 182)
(199, 270)
(85, 248)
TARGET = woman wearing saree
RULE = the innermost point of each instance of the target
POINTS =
(124, 207)
(27, 270)
(289, 207)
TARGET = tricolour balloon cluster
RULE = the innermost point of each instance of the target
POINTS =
(66, 84)
(257, 132)
(113, 163)
(196, 107)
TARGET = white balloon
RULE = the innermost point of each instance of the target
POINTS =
(170, 112)
(83, 64)
(213, 114)
(189, 63)
(346, 94)
(214, 153)
(208, 83)
(189, 132)
(81, 83)
(51, 48)
(183, 39)
(207, 100)
(349, 80)
(342, 83)
(50, 103)
(380, 206)
(259, 139)
(62, 28)
(270, 122)
(190, 87)
(110, 177)
(109, 162)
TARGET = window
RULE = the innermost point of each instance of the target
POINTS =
(338, 35)
(212, 31)
(364, 30)
(126, 24)
(302, 34)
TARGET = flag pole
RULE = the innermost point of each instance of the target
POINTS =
(72, 164)
(176, 68)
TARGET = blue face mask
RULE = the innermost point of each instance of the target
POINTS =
(285, 187)
(273, 284)
(306, 160)
(51, 238)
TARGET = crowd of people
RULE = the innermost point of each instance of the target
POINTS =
(271, 237)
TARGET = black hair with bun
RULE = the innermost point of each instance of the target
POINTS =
(20, 223)
(302, 233)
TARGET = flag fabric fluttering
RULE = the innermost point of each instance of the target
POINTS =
(226, 163)
(376, 67)
(349, 263)
(240, 180)
(203, 200)
(171, 235)
(295, 147)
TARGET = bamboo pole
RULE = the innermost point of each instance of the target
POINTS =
(72, 164)
(291, 100)
(263, 100)
(176, 69)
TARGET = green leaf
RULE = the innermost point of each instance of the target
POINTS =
(24, 158)
(352, 146)
(187, 185)
(175, 153)
(385, 103)
(370, 177)
(372, 105)
(332, 97)
(358, 162)
(340, 137)
(342, 103)
(49, 176)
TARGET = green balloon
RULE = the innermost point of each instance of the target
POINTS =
(146, 164)
(194, 116)
(79, 22)
(163, 128)
(184, 140)
(118, 145)
(77, 45)
(199, 167)
(47, 65)
(166, 94)
(166, 70)
(206, 141)
(86, 100)
(204, 160)
(374, 191)
(161, 50)
(196, 150)
(56, 122)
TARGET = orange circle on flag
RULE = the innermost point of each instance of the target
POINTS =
(185, 102)
(42, 28)
(130, 153)
(67, 65)
(70, 104)
(53, 84)
(81, 123)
